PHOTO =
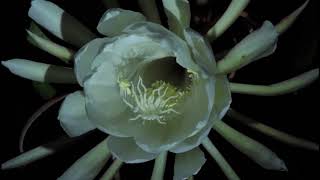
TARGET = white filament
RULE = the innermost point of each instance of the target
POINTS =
(150, 106)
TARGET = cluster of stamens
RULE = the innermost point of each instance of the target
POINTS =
(150, 103)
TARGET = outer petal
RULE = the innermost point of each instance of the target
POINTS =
(222, 103)
(201, 50)
(115, 20)
(127, 150)
(178, 13)
(188, 164)
(222, 96)
(84, 58)
(59, 23)
(72, 115)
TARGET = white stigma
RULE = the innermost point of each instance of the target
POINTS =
(150, 106)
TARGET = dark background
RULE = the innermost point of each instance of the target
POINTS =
(295, 113)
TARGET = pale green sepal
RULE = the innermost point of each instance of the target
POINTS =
(178, 14)
(50, 47)
(221, 161)
(159, 166)
(256, 151)
(89, 165)
(258, 44)
(227, 19)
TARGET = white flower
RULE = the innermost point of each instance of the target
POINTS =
(148, 86)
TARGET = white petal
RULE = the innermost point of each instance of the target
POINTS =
(167, 40)
(127, 150)
(84, 58)
(72, 115)
(59, 23)
(104, 103)
(115, 20)
(178, 14)
(188, 164)
(27, 69)
(222, 101)
(201, 50)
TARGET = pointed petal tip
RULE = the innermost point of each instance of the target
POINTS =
(286, 22)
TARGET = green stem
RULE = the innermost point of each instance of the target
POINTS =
(251, 148)
(274, 133)
(112, 170)
(283, 87)
(228, 18)
(159, 166)
(150, 10)
(218, 157)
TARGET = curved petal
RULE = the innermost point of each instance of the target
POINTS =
(59, 23)
(167, 40)
(127, 150)
(221, 104)
(84, 58)
(188, 163)
(201, 50)
(72, 115)
(104, 103)
(115, 20)
(190, 120)
(222, 96)
(178, 14)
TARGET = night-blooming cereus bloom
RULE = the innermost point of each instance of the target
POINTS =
(153, 90)
(146, 87)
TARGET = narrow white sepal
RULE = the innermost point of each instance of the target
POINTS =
(59, 22)
(27, 69)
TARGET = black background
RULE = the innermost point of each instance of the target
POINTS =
(295, 113)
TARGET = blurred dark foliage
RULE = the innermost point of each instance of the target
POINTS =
(295, 113)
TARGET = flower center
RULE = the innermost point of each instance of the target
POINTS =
(154, 103)
(160, 87)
